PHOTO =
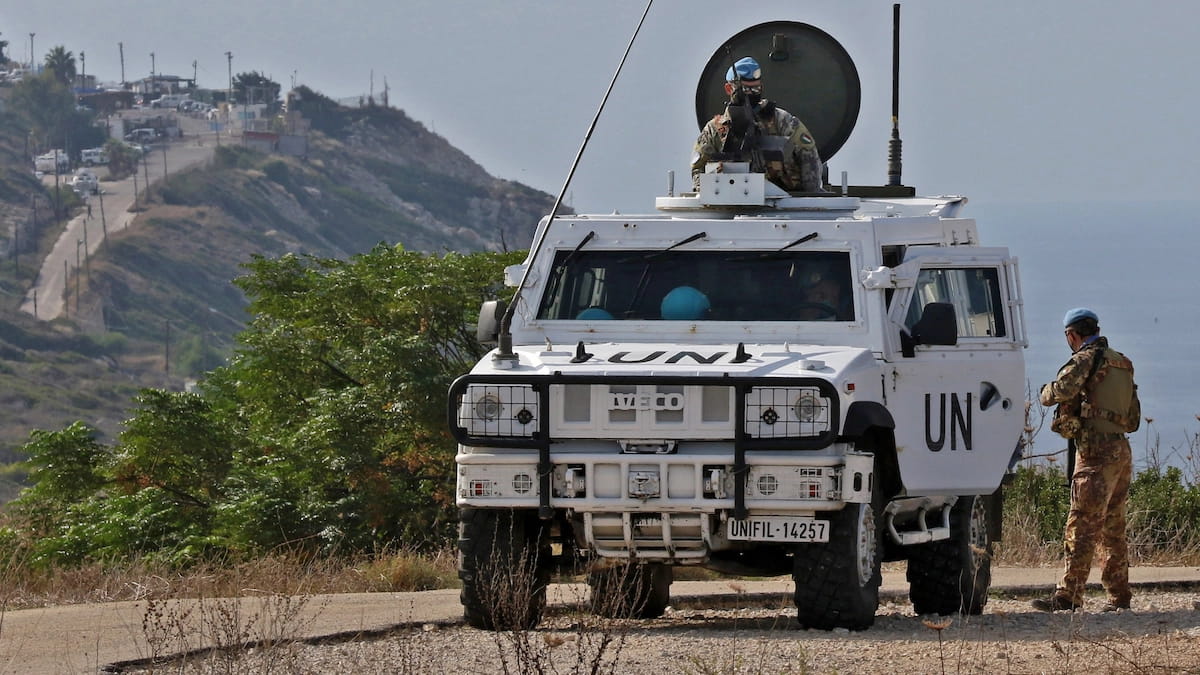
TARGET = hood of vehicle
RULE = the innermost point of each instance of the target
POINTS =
(675, 360)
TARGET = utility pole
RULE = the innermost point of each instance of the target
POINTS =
(83, 70)
(229, 93)
(103, 220)
(78, 243)
(121, 49)
(146, 174)
(194, 73)
(153, 83)
(32, 61)
(57, 191)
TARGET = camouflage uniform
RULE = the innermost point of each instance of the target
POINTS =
(1107, 408)
(800, 172)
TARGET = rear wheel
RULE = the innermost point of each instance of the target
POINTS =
(631, 591)
(504, 563)
(837, 583)
(953, 576)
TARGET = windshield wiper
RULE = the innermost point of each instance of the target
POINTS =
(640, 289)
(561, 269)
(801, 240)
(575, 251)
(694, 237)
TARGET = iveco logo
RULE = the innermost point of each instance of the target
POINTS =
(638, 401)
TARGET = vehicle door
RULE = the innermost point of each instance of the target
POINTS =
(955, 368)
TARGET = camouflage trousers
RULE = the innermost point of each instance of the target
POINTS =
(1099, 489)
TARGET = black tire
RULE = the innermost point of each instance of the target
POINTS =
(837, 583)
(631, 591)
(504, 562)
(953, 576)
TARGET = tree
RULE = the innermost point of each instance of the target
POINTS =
(122, 158)
(326, 430)
(253, 87)
(47, 106)
(3, 56)
(46, 103)
(61, 63)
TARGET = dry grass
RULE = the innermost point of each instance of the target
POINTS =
(278, 573)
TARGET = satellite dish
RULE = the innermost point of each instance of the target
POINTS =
(804, 70)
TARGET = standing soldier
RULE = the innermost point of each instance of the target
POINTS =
(743, 132)
(1097, 405)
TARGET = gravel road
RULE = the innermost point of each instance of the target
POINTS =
(1160, 634)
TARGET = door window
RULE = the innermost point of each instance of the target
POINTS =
(973, 291)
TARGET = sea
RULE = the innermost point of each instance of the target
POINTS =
(1131, 262)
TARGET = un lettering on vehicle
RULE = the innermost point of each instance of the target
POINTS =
(948, 410)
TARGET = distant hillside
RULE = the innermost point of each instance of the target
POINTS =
(158, 307)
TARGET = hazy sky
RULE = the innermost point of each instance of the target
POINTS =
(1030, 100)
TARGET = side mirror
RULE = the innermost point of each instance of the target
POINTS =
(488, 326)
(937, 326)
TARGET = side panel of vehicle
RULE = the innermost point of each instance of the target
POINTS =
(959, 408)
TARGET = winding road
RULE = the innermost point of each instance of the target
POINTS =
(110, 213)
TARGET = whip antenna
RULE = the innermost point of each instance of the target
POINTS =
(504, 352)
(894, 144)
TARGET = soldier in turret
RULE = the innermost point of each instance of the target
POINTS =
(739, 134)
(1097, 405)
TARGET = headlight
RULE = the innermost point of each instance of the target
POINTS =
(499, 411)
(807, 407)
(488, 407)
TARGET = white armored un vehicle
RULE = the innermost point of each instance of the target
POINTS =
(752, 381)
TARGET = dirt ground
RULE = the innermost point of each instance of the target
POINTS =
(1159, 634)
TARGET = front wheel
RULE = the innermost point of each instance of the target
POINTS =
(504, 563)
(837, 583)
(953, 576)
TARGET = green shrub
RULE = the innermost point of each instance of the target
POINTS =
(1039, 492)
(1164, 508)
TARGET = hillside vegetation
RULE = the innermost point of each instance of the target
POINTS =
(157, 305)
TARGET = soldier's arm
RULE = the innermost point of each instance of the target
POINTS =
(701, 153)
(1069, 383)
(806, 156)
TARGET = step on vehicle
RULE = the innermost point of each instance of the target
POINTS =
(752, 381)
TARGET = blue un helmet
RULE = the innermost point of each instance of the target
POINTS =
(747, 69)
(684, 303)
(1079, 314)
(594, 314)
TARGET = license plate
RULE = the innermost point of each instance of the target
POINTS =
(778, 528)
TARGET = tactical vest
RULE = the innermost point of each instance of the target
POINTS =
(1110, 403)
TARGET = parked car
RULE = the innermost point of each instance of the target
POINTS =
(168, 100)
(55, 161)
(143, 135)
(85, 181)
(93, 156)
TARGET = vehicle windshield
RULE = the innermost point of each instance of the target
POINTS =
(699, 286)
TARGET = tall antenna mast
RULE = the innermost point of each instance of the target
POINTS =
(505, 358)
(894, 144)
